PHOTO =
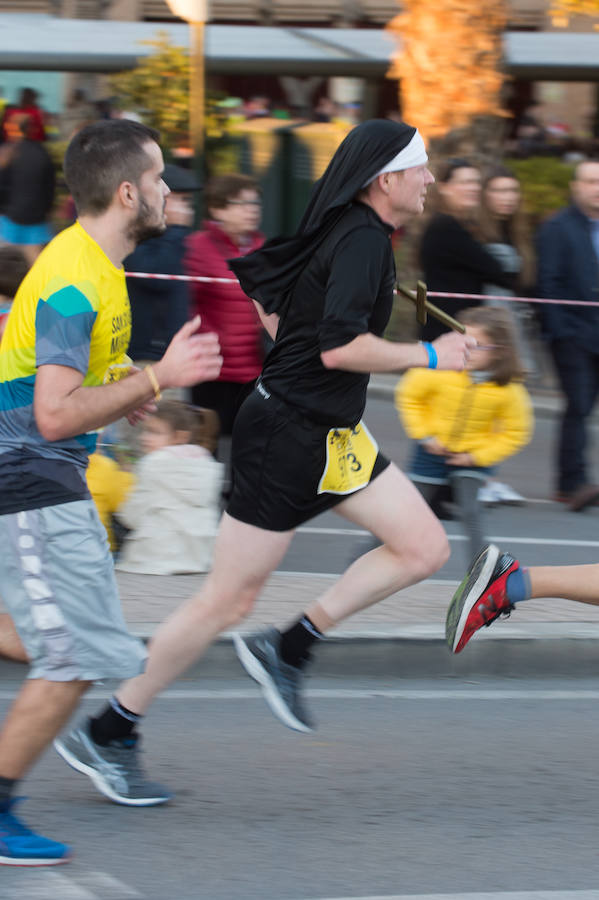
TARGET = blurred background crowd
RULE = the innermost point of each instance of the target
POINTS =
(514, 213)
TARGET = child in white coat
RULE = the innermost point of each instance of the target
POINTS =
(174, 509)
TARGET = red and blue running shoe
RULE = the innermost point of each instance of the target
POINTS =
(481, 598)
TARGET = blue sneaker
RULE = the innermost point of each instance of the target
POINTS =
(20, 846)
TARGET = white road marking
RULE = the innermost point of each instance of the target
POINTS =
(107, 886)
(492, 694)
(44, 883)
(485, 895)
(341, 532)
(495, 539)
(504, 540)
(453, 582)
(395, 694)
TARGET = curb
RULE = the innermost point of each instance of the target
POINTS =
(551, 650)
(421, 652)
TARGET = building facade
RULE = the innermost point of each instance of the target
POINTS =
(562, 99)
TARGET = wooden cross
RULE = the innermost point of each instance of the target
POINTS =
(424, 306)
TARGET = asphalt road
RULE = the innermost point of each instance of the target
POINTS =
(441, 790)
(464, 790)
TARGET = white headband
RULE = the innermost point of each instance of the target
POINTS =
(413, 154)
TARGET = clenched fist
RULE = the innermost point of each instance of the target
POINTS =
(453, 350)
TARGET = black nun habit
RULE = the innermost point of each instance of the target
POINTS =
(269, 274)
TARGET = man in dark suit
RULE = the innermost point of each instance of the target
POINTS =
(568, 247)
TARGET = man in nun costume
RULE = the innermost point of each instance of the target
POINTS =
(299, 444)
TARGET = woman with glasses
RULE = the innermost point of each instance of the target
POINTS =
(234, 209)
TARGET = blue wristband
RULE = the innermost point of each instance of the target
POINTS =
(432, 354)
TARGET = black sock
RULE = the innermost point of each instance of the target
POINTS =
(113, 724)
(296, 642)
(7, 786)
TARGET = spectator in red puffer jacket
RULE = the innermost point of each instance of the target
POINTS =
(234, 206)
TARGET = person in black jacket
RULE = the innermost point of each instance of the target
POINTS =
(451, 258)
(159, 307)
(27, 183)
(568, 269)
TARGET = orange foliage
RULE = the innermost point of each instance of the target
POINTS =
(449, 63)
(561, 10)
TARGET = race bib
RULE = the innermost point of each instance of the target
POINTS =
(351, 453)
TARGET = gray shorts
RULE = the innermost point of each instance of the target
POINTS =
(57, 581)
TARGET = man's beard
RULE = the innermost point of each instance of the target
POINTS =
(142, 228)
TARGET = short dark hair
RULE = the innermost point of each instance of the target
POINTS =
(28, 97)
(13, 268)
(103, 155)
(223, 188)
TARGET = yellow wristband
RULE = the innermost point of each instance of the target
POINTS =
(154, 382)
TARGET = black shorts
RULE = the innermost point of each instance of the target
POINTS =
(278, 458)
(226, 397)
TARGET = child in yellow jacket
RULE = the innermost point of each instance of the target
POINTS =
(109, 486)
(465, 423)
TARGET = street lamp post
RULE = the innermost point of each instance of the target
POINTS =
(195, 13)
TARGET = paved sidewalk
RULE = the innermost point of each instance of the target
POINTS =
(415, 611)
(401, 637)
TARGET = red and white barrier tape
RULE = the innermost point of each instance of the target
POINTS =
(202, 278)
(436, 294)
(513, 299)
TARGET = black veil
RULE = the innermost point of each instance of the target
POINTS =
(270, 273)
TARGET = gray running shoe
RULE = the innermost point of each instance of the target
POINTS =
(115, 769)
(281, 683)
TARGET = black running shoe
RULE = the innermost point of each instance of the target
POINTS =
(281, 683)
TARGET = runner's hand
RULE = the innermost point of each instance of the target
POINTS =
(142, 412)
(453, 350)
(460, 459)
(432, 445)
(190, 358)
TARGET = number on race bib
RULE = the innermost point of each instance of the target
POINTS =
(351, 454)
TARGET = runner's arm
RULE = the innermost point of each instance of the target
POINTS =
(368, 353)
(63, 407)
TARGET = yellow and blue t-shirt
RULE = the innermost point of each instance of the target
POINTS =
(71, 309)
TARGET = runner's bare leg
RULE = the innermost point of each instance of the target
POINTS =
(579, 583)
(414, 547)
(244, 557)
(11, 645)
(49, 704)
